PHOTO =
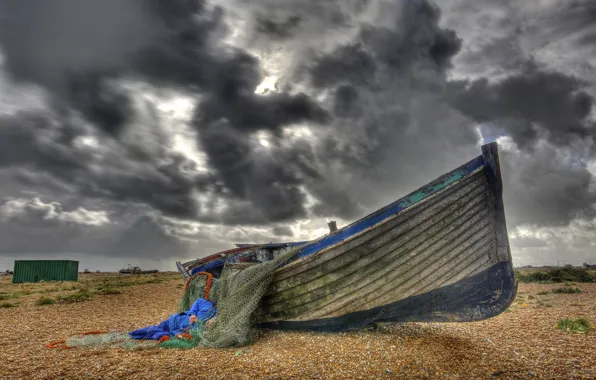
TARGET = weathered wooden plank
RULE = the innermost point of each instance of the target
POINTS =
(401, 284)
(385, 273)
(449, 265)
(342, 255)
(477, 297)
(362, 278)
(417, 239)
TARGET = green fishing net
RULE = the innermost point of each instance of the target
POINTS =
(236, 295)
(112, 339)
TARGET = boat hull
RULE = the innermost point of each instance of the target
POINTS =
(478, 297)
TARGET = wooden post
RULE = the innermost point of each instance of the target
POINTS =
(332, 226)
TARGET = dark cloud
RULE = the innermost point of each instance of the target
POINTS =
(146, 238)
(416, 42)
(282, 231)
(13, 137)
(46, 43)
(38, 139)
(36, 225)
(346, 101)
(182, 54)
(40, 181)
(531, 105)
(347, 64)
(251, 113)
(102, 102)
(278, 29)
(54, 146)
(542, 189)
(574, 19)
(76, 49)
(503, 53)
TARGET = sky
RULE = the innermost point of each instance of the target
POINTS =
(149, 131)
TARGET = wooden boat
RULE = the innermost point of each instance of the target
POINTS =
(439, 254)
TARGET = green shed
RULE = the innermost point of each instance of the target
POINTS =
(45, 270)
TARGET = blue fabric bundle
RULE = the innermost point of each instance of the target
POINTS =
(176, 323)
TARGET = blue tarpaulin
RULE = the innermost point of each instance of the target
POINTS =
(176, 323)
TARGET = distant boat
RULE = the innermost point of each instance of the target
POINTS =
(136, 270)
(439, 254)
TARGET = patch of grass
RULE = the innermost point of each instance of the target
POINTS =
(533, 276)
(542, 293)
(8, 296)
(566, 290)
(80, 296)
(568, 284)
(45, 301)
(544, 304)
(557, 274)
(531, 297)
(6, 305)
(72, 287)
(105, 290)
(580, 325)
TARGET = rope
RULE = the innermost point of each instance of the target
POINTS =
(57, 344)
(207, 285)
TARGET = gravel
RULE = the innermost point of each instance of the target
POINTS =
(520, 343)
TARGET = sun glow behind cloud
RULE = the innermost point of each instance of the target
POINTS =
(179, 107)
(176, 110)
(269, 84)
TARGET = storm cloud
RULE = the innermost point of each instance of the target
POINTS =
(361, 108)
(530, 106)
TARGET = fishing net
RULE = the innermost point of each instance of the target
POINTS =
(111, 339)
(236, 295)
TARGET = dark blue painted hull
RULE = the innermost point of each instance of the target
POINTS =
(481, 296)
